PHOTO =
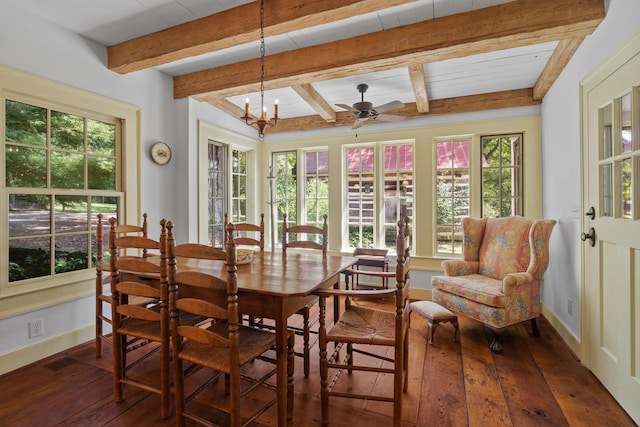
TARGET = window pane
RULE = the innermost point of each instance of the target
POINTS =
(323, 162)
(71, 253)
(102, 173)
(67, 170)
(67, 131)
(311, 163)
(25, 124)
(101, 138)
(29, 258)
(70, 214)
(29, 215)
(26, 167)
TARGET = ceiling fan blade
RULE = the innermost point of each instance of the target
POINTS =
(388, 106)
(347, 107)
(390, 118)
(358, 123)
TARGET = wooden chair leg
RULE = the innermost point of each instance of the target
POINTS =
(534, 328)
(496, 345)
(290, 371)
(307, 339)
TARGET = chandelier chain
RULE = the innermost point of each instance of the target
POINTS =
(262, 53)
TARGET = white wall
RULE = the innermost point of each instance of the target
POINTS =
(561, 158)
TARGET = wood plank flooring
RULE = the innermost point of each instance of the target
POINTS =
(536, 381)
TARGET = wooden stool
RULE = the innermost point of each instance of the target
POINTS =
(435, 314)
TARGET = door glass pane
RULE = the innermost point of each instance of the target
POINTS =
(606, 117)
(625, 123)
(625, 182)
(607, 190)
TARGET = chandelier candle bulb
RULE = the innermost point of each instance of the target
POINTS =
(275, 109)
(264, 113)
(246, 107)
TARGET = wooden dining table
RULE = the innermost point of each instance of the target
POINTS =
(275, 286)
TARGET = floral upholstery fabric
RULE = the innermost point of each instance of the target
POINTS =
(498, 281)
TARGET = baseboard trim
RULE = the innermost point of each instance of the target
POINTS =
(37, 351)
(565, 333)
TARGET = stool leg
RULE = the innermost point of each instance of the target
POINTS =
(456, 330)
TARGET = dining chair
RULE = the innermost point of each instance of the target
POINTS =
(136, 276)
(361, 328)
(248, 234)
(368, 257)
(224, 347)
(103, 279)
(245, 231)
(305, 237)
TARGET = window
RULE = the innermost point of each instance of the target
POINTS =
(452, 193)
(314, 195)
(398, 189)
(369, 192)
(216, 192)
(239, 187)
(500, 169)
(501, 175)
(60, 171)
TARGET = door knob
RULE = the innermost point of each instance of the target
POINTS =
(591, 213)
(591, 235)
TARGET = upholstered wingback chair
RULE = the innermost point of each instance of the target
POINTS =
(498, 280)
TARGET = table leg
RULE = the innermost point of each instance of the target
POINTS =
(282, 362)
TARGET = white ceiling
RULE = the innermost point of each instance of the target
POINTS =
(110, 22)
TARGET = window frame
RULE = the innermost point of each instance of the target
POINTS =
(208, 133)
(29, 294)
(379, 223)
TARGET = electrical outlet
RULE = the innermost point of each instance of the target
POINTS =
(570, 306)
(35, 328)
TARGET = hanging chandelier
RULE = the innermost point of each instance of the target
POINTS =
(262, 123)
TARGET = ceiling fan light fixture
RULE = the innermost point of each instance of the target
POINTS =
(262, 123)
(363, 110)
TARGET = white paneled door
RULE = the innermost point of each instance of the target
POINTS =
(611, 226)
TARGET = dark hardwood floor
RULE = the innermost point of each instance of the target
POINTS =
(536, 381)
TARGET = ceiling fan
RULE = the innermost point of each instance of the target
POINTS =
(363, 111)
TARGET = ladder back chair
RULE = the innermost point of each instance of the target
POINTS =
(224, 347)
(293, 237)
(362, 326)
(139, 277)
(102, 247)
(245, 231)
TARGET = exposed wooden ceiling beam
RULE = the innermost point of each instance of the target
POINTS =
(316, 101)
(231, 28)
(478, 31)
(419, 83)
(228, 107)
(559, 59)
(463, 104)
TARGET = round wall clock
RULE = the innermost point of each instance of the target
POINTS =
(161, 153)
